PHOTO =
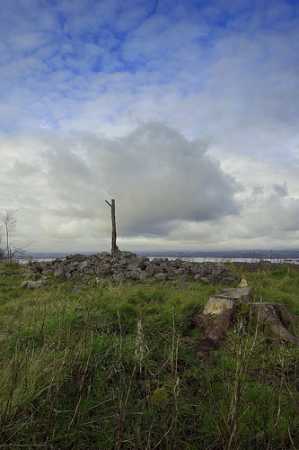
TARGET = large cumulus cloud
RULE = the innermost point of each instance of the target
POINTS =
(170, 193)
(157, 176)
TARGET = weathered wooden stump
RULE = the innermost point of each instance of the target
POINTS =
(277, 319)
(221, 311)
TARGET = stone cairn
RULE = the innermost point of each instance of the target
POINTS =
(221, 311)
(128, 266)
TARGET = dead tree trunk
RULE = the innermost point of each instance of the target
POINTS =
(221, 313)
(114, 247)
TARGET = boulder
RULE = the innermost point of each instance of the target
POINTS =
(31, 284)
(133, 274)
(160, 276)
(118, 277)
(153, 269)
(59, 271)
(104, 269)
(143, 276)
(83, 265)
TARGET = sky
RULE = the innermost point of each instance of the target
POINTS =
(184, 111)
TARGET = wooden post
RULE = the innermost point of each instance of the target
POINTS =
(114, 248)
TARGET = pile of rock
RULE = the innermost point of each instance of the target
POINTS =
(128, 266)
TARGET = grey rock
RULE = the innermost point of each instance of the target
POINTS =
(201, 278)
(76, 290)
(103, 269)
(118, 277)
(133, 267)
(74, 265)
(133, 274)
(83, 266)
(196, 269)
(139, 262)
(160, 276)
(152, 269)
(30, 284)
(59, 271)
(179, 271)
(144, 276)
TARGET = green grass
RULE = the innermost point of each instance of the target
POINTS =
(117, 367)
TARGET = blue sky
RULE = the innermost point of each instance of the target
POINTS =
(68, 53)
(82, 80)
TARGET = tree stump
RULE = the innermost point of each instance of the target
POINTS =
(277, 319)
(220, 313)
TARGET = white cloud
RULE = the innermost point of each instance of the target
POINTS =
(169, 192)
(157, 176)
(99, 73)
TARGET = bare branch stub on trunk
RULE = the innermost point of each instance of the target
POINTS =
(114, 247)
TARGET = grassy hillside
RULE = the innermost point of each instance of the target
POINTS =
(117, 367)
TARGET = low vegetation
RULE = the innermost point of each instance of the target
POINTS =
(86, 366)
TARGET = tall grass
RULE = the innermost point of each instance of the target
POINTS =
(117, 367)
